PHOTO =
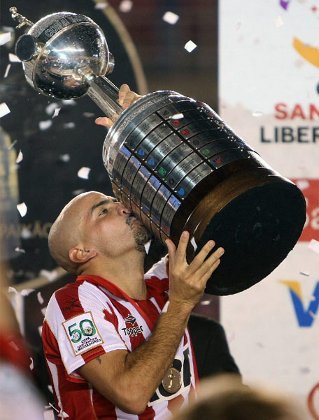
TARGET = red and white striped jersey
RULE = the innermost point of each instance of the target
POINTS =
(92, 316)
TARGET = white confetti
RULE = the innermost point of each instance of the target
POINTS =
(19, 157)
(56, 112)
(51, 108)
(100, 6)
(13, 58)
(5, 37)
(190, 46)
(26, 292)
(26, 233)
(84, 173)
(7, 71)
(170, 18)
(19, 250)
(257, 114)
(50, 388)
(4, 109)
(40, 298)
(77, 192)
(70, 102)
(147, 246)
(69, 125)
(302, 184)
(177, 116)
(314, 245)
(40, 330)
(88, 114)
(65, 158)
(22, 209)
(194, 244)
(49, 275)
(304, 273)
(279, 22)
(125, 6)
(12, 290)
(205, 302)
(31, 366)
(43, 311)
(44, 125)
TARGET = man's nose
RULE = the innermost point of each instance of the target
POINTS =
(122, 209)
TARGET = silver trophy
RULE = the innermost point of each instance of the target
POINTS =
(170, 158)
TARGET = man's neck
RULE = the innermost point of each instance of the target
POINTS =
(126, 273)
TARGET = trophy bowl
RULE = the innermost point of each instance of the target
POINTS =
(60, 50)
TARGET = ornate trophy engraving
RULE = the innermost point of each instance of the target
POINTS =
(171, 158)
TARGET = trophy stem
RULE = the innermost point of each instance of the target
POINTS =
(105, 94)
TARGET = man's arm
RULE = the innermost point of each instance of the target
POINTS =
(130, 379)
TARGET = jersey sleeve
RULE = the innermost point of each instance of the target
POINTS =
(79, 326)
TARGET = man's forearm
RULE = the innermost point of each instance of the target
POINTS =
(152, 359)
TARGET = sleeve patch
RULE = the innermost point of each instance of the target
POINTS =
(82, 333)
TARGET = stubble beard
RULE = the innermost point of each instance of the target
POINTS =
(141, 234)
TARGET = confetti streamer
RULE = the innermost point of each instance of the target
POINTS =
(170, 18)
(7, 71)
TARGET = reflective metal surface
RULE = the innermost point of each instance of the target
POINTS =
(180, 167)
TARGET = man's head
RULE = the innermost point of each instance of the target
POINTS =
(93, 225)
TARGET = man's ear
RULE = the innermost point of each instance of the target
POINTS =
(81, 255)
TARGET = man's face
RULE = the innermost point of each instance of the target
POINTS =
(110, 226)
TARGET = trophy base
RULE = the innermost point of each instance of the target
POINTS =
(257, 228)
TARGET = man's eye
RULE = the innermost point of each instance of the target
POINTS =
(103, 211)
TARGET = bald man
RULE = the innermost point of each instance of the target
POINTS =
(115, 340)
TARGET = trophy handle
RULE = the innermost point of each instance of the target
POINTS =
(105, 94)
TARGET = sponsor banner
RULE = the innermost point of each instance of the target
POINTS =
(310, 189)
(269, 95)
(273, 327)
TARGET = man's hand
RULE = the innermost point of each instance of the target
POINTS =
(126, 98)
(187, 282)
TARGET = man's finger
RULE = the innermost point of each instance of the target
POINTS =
(182, 246)
(201, 256)
(210, 265)
(124, 90)
(106, 122)
(171, 249)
